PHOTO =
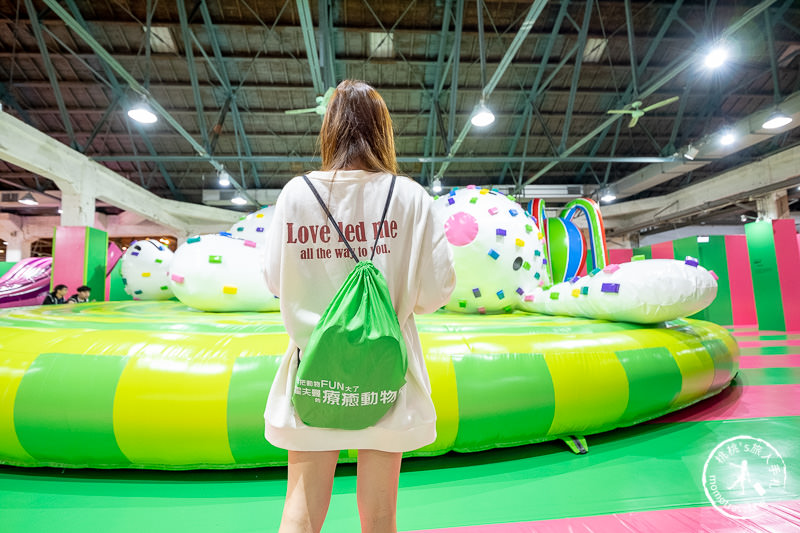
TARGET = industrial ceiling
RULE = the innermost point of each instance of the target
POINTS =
(222, 74)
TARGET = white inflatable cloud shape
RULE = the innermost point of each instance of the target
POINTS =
(644, 292)
(144, 270)
(220, 273)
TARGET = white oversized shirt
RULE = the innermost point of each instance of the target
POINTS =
(306, 264)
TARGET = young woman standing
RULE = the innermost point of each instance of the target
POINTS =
(305, 266)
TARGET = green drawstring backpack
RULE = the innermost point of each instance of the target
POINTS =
(355, 362)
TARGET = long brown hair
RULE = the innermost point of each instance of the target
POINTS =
(357, 130)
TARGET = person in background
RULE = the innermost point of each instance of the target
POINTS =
(57, 296)
(82, 296)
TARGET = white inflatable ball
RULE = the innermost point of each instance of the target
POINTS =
(254, 226)
(497, 247)
(145, 268)
(220, 273)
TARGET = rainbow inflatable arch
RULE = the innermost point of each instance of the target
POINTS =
(159, 385)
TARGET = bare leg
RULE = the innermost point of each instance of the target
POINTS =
(308, 492)
(378, 477)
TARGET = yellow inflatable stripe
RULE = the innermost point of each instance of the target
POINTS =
(694, 362)
(173, 410)
(598, 380)
(11, 372)
(445, 398)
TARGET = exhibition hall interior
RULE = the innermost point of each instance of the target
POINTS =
(617, 181)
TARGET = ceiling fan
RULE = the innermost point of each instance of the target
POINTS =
(319, 109)
(636, 112)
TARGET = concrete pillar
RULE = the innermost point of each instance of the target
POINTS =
(77, 205)
(773, 206)
(18, 248)
(12, 231)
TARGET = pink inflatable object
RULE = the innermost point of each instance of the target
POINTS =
(29, 280)
(26, 283)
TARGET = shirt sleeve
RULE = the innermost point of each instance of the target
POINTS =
(274, 247)
(436, 273)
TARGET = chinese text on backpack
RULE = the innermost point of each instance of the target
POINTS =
(355, 362)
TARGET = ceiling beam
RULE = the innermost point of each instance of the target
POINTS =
(400, 159)
(188, 50)
(310, 40)
(165, 60)
(725, 10)
(779, 171)
(455, 56)
(306, 139)
(429, 149)
(396, 115)
(576, 74)
(34, 151)
(386, 90)
(327, 43)
(51, 72)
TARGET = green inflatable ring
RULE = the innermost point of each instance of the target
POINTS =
(159, 385)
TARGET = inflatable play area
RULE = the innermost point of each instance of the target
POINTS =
(527, 350)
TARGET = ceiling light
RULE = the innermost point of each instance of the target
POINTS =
(727, 137)
(142, 112)
(482, 116)
(224, 178)
(743, 218)
(691, 152)
(238, 200)
(716, 57)
(28, 199)
(776, 120)
(607, 195)
(436, 186)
